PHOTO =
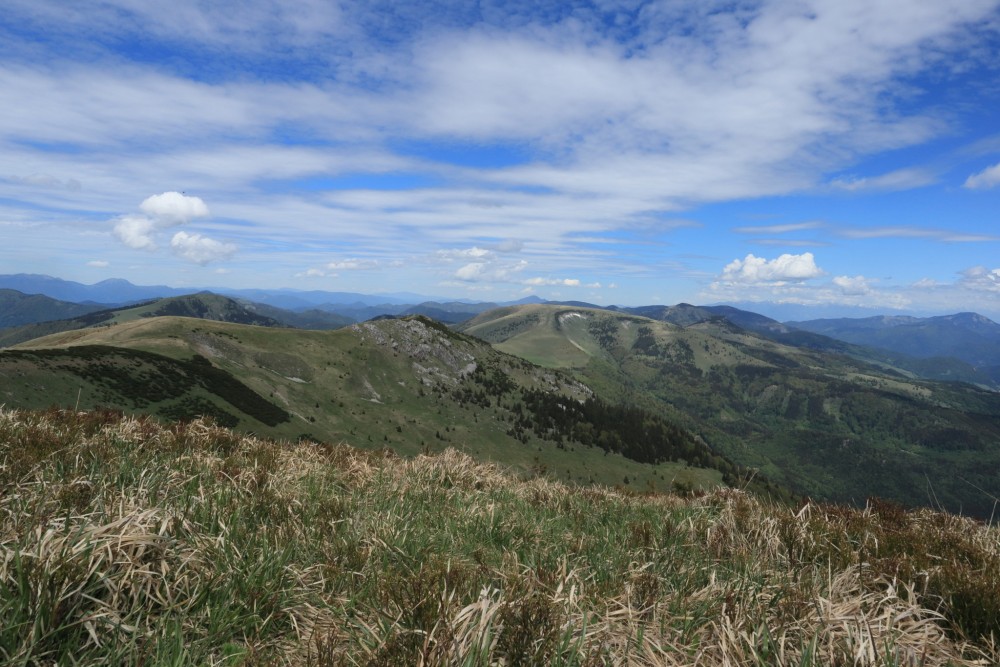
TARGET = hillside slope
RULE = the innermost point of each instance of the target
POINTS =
(827, 425)
(409, 384)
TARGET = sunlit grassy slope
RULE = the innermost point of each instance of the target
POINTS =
(126, 542)
(411, 385)
(829, 426)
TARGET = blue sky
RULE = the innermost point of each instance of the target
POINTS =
(837, 153)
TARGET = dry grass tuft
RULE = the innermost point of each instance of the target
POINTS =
(123, 541)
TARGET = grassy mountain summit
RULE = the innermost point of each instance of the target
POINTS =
(124, 541)
(204, 306)
(828, 425)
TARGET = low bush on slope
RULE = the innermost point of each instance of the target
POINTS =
(123, 541)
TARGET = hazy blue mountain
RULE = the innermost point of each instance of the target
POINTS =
(784, 312)
(113, 291)
(18, 308)
(970, 337)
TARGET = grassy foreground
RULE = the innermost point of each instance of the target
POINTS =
(123, 541)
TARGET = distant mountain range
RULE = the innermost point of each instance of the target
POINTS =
(118, 292)
(967, 336)
(962, 347)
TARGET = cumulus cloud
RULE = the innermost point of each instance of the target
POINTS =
(985, 179)
(98, 264)
(491, 271)
(856, 286)
(173, 208)
(136, 231)
(166, 210)
(200, 249)
(162, 211)
(756, 270)
(981, 278)
(471, 271)
(563, 282)
(489, 264)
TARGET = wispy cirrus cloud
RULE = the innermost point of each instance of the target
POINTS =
(903, 179)
(984, 180)
(913, 232)
(780, 229)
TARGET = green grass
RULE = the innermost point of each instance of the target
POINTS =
(124, 541)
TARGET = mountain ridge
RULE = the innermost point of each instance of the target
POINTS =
(828, 425)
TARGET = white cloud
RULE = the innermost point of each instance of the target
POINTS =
(857, 285)
(471, 271)
(902, 179)
(173, 208)
(136, 231)
(98, 264)
(754, 270)
(981, 278)
(200, 249)
(780, 229)
(563, 282)
(166, 210)
(352, 264)
(491, 271)
(985, 179)
(913, 232)
(474, 252)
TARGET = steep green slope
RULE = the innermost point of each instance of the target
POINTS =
(826, 425)
(409, 384)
